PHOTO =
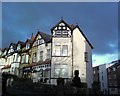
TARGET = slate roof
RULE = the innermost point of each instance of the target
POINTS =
(14, 46)
(29, 40)
(21, 43)
(46, 37)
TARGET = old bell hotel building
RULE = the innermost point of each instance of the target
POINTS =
(48, 57)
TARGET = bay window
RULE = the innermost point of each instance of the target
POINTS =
(61, 70)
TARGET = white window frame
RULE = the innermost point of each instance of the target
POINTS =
(58, 50)
(34, 57)
(41, 55)
(26, 58)
(48, 53)
(64, 51)
(23, 59)
(59, 70)
(27, 46)
(18, 47)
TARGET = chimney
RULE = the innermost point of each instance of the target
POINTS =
(72, 26)
(32, 37)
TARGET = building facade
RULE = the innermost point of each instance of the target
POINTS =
(70, 51)
(47, 57)
(113, 78)
(105, 77)
(96, 80)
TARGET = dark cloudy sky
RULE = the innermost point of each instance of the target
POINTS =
(98, 21)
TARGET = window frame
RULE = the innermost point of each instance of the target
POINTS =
(86, 56)
(57, 50)
(66, 51)
(34, 57)
(41, 56)
(60, 68)
(48, 53)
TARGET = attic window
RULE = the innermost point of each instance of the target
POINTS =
(18, 47)
(41, 41)
(11, 49)
(65, 32)
(58, 32)
(27, 46)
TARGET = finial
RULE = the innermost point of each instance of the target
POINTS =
(61, 18)
(76, 23)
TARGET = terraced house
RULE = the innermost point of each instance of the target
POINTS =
(46, 57)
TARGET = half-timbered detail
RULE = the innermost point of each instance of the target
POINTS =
(3, 59)
(46, 57)
(11, 57)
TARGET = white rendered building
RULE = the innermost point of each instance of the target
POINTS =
(71, 51)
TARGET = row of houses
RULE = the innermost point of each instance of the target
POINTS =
(106, 78)
(48, 57)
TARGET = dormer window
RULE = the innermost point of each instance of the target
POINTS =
(39, 41)
(11, 49)
(28, 46)
(18, 47)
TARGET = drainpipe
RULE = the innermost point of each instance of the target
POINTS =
(72, 53)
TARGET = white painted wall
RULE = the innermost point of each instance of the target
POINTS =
(89, 69)
(80, 45)
(78, 53)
